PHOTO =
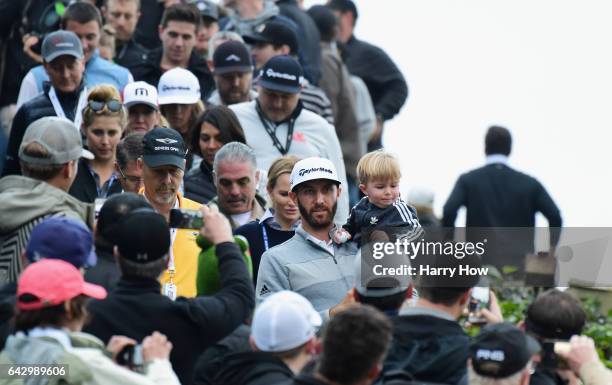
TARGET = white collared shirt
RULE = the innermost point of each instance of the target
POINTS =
(496, 158)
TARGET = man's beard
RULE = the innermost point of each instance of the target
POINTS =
(165, 194)
(312, 222)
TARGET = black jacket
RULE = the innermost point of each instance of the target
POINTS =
(84, 186)
(15, 17)
(365, 215)
(105, 273)
(496, 196)
(428, 348)
(147, 29)
(213, 359)
(308, 36)
(252, 368)
(150, 71)
(32, 110)
(384, 80)
(199, 184)
(136, 308)
(8, 294)
(131, 55)
(306, 379)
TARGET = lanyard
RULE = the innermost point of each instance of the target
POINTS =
(171, 266)
(264, 233)
(59, 111)
(272, 132)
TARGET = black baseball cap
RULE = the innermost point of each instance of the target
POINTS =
(283, 74)
(164, 147)
(207, 9)
(277, 33)
(143, 236)
(501, 350)
(232, 56)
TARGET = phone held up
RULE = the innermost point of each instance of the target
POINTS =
(479, 300)
(186, 219)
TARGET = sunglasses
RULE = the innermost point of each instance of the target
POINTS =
(112, 105)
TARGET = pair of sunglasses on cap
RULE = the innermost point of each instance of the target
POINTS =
(112, 105)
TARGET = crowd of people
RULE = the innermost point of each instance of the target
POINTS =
(187, 191)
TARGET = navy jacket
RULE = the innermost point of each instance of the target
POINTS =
(253, 232)
(84, 186)
(34, 109)
(429, 348)
(496, 196)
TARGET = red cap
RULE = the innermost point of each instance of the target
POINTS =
(53, 282)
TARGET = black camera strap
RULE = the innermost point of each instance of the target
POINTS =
(272, 131)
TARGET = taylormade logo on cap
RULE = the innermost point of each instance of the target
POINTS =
(311, 169)
(232, 57)
(65, 44)
(273, 74)
(303, 171)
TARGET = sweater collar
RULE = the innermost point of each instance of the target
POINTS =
(138, 284)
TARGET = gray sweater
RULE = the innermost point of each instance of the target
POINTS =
(304, 266)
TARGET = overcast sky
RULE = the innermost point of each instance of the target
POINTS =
(541, 68)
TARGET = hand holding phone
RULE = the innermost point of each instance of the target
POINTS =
(479, 299)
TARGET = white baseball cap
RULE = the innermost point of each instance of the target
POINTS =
(140, 93)
(284, 321)
(313, 168)
(178, 86)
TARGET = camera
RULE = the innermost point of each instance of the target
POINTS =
(550, 354)
(186, 219)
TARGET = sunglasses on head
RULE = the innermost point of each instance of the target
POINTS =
(112, 105)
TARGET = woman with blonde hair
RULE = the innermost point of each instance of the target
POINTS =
(279, 222)
(104, 119)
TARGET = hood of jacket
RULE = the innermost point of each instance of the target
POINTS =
(430, 348)
(24, 199)
(252, 368)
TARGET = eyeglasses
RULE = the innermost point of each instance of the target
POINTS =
(112, 105)
(130, 178)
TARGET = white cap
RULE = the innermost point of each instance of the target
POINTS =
(178, 86)
(140, 93)
(284, 321)
(311, 169)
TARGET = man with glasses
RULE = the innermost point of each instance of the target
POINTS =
(126, 165)
(163, 168)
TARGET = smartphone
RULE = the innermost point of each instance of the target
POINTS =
(550, 358)
(479, 299)
(186, 219)
(131, 357)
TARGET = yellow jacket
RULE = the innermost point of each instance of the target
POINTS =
(185, 251)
